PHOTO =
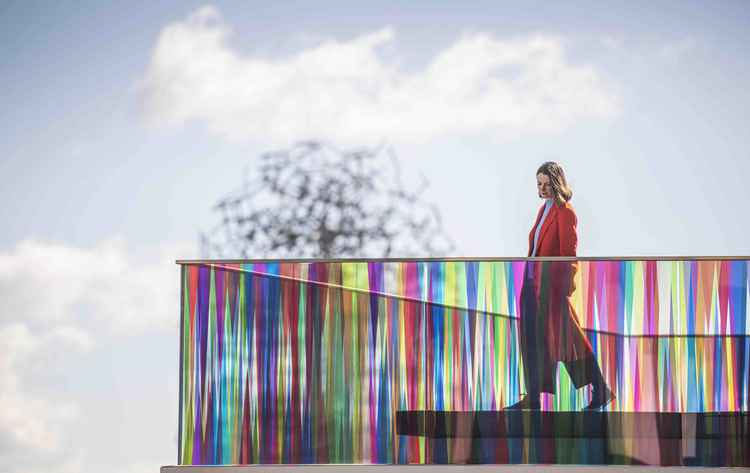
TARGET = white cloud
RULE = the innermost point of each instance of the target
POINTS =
(348, 91)
(26, 422)
(47, 283)
(63, 306)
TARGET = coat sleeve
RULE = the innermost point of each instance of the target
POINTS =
(567, 230)
(567, 222)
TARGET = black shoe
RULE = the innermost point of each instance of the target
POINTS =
(529, 402)
(599, 399)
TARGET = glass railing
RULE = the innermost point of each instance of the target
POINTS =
(416, 361)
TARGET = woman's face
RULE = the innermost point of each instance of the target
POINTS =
(543, 186)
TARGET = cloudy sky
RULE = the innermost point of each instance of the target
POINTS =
(122, 124)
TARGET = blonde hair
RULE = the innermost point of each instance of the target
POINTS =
(561, 189)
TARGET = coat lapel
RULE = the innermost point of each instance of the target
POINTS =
(551, 217)
(533, 229)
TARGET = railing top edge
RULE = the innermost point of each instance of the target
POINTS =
(462, 259)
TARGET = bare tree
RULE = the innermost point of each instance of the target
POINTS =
(315, 201)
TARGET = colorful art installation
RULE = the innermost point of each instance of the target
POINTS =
(396, 362)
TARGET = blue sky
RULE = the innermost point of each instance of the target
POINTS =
(122, 124)
(86, 166)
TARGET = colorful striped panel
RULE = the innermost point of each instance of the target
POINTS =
(312, 362)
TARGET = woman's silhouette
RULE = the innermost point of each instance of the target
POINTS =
(549, 329)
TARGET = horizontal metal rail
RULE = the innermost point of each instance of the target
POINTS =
(466, 259)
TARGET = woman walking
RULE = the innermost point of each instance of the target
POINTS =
(549, 329)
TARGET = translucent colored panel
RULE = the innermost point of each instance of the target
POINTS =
(414, 361)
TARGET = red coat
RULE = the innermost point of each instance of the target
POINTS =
(558, 236)
(555, 327)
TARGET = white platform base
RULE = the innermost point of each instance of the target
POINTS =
(440, 469)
